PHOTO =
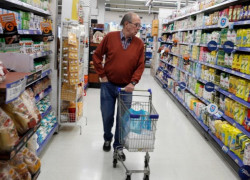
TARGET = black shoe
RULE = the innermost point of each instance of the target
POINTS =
(121, 154)
(107, 146)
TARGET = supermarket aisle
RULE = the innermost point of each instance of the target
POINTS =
(181, 153)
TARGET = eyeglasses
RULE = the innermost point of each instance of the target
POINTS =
(136, 24)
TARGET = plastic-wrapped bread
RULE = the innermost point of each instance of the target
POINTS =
(8, 133)
(7, 172)
(20, 167)
(32, 161)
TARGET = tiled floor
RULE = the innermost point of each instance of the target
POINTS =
(181, 153)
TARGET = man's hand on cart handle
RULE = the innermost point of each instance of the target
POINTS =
(129, 88)
(104, 79)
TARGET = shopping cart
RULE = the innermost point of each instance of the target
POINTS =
(137, 125)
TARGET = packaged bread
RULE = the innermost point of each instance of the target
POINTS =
(31, 160)
(8, 133)
(29, 101)
(20, 167)
(7, 172)
(20, 114)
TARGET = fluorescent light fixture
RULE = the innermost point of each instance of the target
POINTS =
(133, 10)
(149, 3)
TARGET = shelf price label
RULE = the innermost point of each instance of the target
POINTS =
(8, 22)
(209, 87)
(212, 46)
(182, 85)
(13, 90)
(244, 172)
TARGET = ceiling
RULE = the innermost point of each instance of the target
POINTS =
(139, 5)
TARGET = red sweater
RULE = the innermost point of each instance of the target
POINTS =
(122, 65)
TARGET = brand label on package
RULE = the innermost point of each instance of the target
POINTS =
(46, 28)
(182, 85)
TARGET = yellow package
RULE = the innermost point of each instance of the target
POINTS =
(73, 55)
(247, 40)
(72, 40)
(227, 106)
(74, 81)
(235, 60)
(238, 88)
(243, 88)
(244, 38)
(243, 64)
(236, 111)
(243, 143)
(73, 62)
(238, 145)
(242, 114)
(247, 64)
(231, 84)
(216, 126)
(235, 85)
(247, 91)
(224, 133)
(231, 110)
(73, 68)
(235, 132)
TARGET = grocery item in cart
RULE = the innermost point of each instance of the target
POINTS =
(8, 133)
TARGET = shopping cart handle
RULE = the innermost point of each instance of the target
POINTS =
(123, 89)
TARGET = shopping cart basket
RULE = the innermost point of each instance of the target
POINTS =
(137, 125)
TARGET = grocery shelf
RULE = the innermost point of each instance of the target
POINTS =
(210, 9)
(44, 114)
(47, 139)
(232, 96)
(41, 54)
(100, 29)
(26, 7)
(237, 125)
(174, 54)
(30, 32)
(32, 78)
(232, 159)
(230, 71)
(242, 22)
(41, 95)
(166, 62)
(22, 141)
(35, 176)
(226, 150)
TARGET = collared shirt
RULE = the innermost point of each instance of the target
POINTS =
(125, 43)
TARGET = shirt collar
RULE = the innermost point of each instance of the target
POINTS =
(123, 36)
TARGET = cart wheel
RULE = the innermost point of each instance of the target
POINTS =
(146, 177)
(114, 163)
(146, 163)
(128, 177)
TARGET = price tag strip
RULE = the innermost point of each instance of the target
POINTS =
(13, 90)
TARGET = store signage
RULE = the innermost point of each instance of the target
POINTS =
(212, 46)
(34, 77)
(244, 172)
(228, 47)
(159, 39)
(46, 28)
(165, 86)
(13, 90)
(209, 87)
(212, 109)
(182, 85)
(8, 22)
(223, 22)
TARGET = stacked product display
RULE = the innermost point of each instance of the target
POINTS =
(200, 50)
(25, 86)
(71, 73)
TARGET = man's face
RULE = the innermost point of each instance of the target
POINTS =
(134, 26)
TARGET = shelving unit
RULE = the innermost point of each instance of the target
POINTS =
(179, 72)
(148, 50)
(25, 74)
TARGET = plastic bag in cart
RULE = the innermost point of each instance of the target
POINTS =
(136, 125)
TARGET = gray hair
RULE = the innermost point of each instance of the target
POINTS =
(127, 17)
